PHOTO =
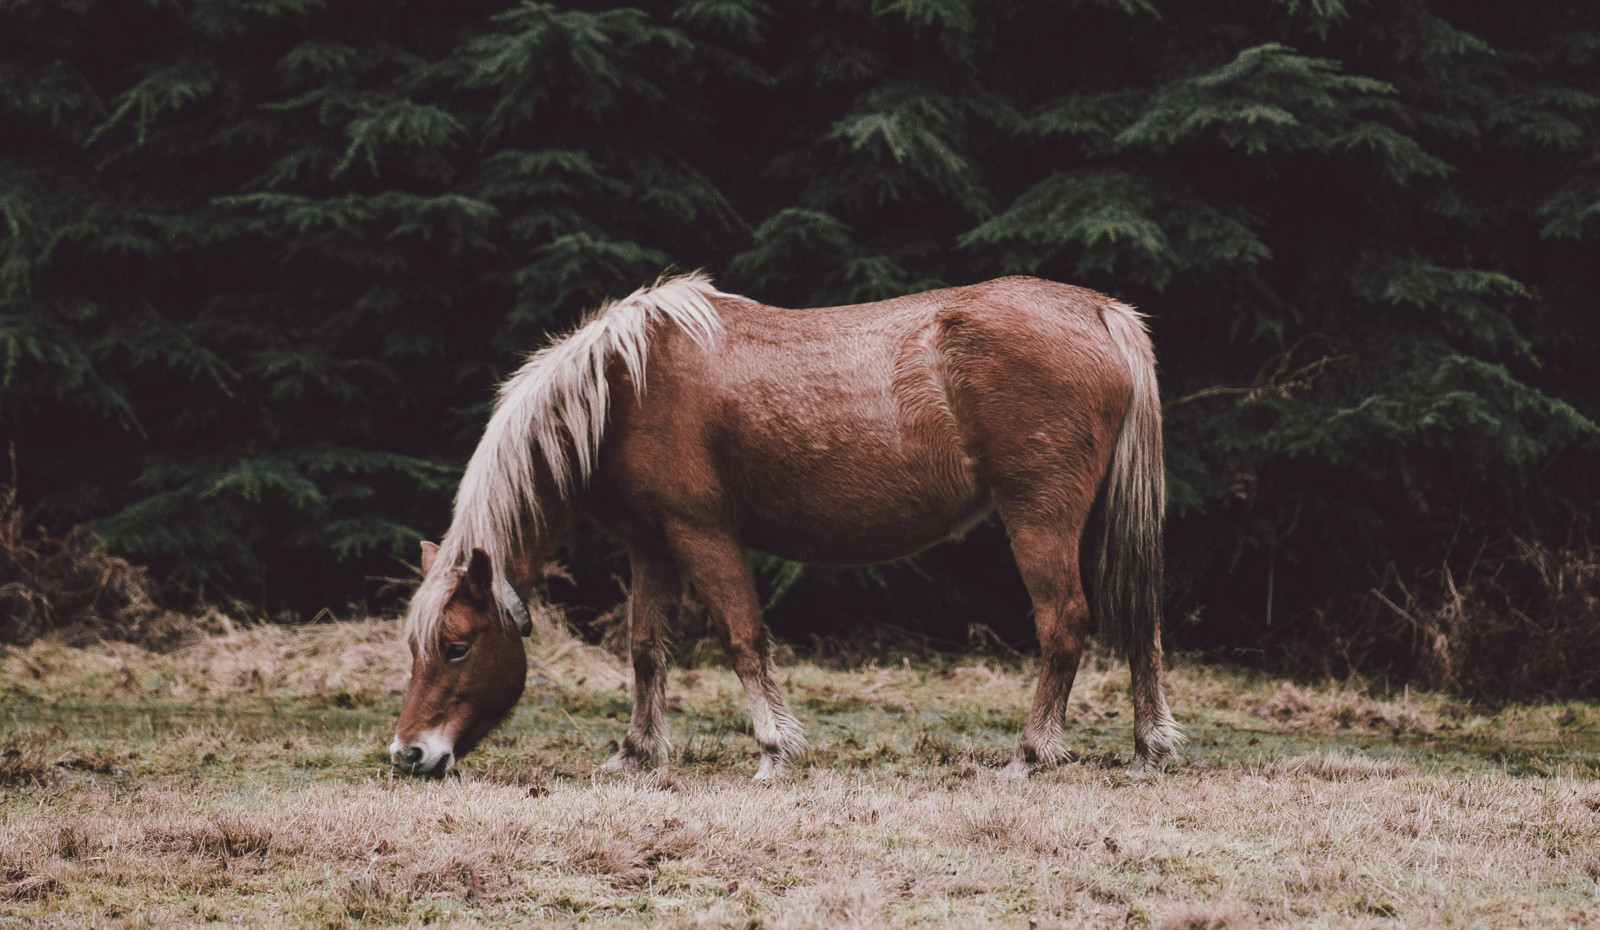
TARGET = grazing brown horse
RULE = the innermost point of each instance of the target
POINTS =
(692, 424)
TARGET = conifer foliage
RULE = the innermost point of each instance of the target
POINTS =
(262, 261)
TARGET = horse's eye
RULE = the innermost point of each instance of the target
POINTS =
(455, 652)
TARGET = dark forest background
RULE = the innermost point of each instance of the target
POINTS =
(262, 263)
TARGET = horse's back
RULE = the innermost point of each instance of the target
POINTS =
(862, 433)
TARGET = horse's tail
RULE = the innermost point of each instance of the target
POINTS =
(1125, 529)
(1125, 591)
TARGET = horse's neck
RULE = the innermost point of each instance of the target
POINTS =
(525, 566)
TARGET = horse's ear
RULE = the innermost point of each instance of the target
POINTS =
(429, 552)
(480, 579)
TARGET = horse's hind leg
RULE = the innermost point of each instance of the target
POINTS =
(652, 611)
(1046, 549)
(715, 564)
(1154, 731)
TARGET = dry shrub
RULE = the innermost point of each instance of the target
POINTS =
(1520, 621)
(1331, 767)
(1524, 622)
(71, 587)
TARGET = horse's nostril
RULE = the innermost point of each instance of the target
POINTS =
(414, 755)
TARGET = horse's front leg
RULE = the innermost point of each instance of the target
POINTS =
(652, 612)
(715, 564)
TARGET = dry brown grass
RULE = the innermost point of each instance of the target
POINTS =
(1333, 767)
(349, 663)
(1237, 849)
(878, 830)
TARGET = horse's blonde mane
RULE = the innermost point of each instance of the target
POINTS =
(556, 402)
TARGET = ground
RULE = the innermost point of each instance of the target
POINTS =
(245, 780)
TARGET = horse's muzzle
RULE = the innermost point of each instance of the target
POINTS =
(427, 756)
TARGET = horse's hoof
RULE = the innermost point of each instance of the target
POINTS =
(1145, 770)
(624, 764)
(1016, 770)
(771, 770)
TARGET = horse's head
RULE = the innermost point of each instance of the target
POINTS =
(467, 664)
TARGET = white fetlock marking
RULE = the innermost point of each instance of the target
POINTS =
(772, 768)
(1159, 739)
(762, 719)
(774, 725)
(1142, 769)
(1048, 743)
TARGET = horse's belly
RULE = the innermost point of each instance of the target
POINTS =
(861, 543)
(854, 516)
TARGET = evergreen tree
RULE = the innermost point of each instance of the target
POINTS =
(263, 262)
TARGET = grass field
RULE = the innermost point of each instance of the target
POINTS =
(244, 780)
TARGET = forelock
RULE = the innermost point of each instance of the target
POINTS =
(425, 618)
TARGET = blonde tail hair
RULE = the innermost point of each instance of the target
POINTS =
(1127, 528)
